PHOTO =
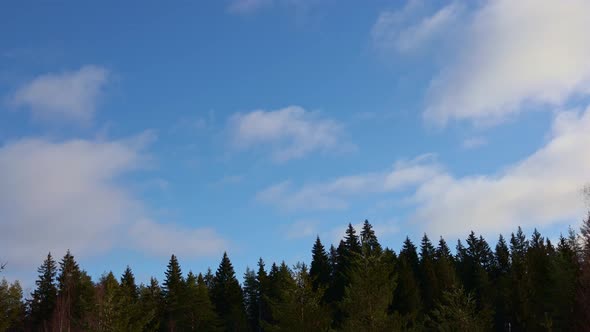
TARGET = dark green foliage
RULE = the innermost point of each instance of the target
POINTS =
(320, 266)
(12, 308)
(407, 299)
(370, 289)
(457, 312)
(173, 289)
(227, 297)
(44, 298)
(523, 285)
(200, 314)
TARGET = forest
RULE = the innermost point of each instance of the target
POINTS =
(521, 284)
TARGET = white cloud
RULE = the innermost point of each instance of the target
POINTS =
(69, 95)
(474, 142)
(291, 132)
(402, 31)
(67, 195)
(513, 54)
(542, 189)
(335, 194)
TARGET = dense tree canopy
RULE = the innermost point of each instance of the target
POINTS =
(522, 284)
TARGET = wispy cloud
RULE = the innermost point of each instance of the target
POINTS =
(69, 95)
(290, 133)
(404, 31)
(335, 194)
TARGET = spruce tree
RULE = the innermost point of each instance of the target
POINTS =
(150, 302)
(583, 289)
(172, 291)
(428, 277)
(407, 299)
(320, 266)
(252, 298)
(503, 317)
(200, 315)
(370, 289)
(71, 306)
(520, 300)
(226, 295)
(44, 298)
(445, 269)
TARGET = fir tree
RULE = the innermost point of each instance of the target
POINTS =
(200, 315)
(227, 297)
(320, 266)
(428, 277)
(44, 298)
(252, 298)
(369, 242)
(172, 291)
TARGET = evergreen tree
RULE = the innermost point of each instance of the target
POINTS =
(264, 314)
(71, 306)
(12, 309)
(539, 283)
(370, 291)
(320, 266)
(583, 289)
(150, 302)
(519, 296)
(428, 277)
(200, 315)
(44, 298)
(172, 291)
(501, 281)
(564, 273)
(457, 312)
(369, 242)
(445, 269)
(300, 307)
(407, 299)
(252, 298)
(227, 297)
(108, 319)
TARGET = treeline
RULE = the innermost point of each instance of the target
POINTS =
(522, 284)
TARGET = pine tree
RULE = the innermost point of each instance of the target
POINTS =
(320, 266)
(173, 290)
(44, 298)
(226, 295)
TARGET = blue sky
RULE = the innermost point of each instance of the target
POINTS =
(133, 130)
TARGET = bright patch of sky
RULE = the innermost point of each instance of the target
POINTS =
(133, 130)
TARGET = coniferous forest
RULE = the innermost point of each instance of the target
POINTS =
(517, 283)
